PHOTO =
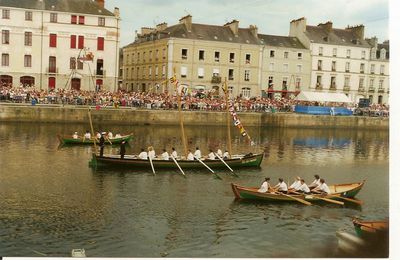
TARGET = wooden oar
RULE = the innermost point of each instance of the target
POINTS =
(152, 166)
(91, 127)
(294, 198)
(359, 202)
(219, 157)
(108, 139)
(178, 166)
(328, 200)
(205, 165)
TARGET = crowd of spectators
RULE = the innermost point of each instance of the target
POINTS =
(194, 101)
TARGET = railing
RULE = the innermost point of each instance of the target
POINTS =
(332, 87)
(230, 78)
(52, 70)
(361, 89)
(381, 90)
(371, 90)
(346, 88)
(100, 73)
(216, 79)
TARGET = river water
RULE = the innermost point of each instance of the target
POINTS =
(52, 202)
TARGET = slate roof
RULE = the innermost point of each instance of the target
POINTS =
(69, 6)
(281, 41)
(344, 37)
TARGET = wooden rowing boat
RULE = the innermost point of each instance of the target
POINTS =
(338, 190)
(367, 229)
(80, 141)
(132, 162)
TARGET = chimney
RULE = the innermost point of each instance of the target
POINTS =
(254, 30)
(161, 26)
(358, 30)
(299, 24)
(327, 26)
(146, 30)
(187, 21)
(101, 3)
(116, 12)
(234, 26)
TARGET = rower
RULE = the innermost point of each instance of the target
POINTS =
(197, 153)
(174, 154)
(143, 155)
(75, 135)
(315, 183)
(281, 186)
(117, 136)
(226, 155)
(98, 135)
(303, 187)
(322, 188)
(165, 155)
(87, 135)
(265, 187)
(190, 156)
(122, 149)
(296, 184)
(219, 152)
(211, 155)
(110, 135)
(101, 143)
(152, 153)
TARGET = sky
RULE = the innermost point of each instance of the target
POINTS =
(270, 16)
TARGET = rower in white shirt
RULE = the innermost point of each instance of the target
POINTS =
(143, 155)
(211, 155)
(110, 135)
(117, 136)
(152, 153)
(315, 183)
(296, 184)
(197, 153)
(303, 187)
(98, 135)
(219, 152)
(174, 154)
(165, 155)
(265, 187)
(322, 188)
(281, 186)
(87, 135)
(75, 135)
(190, 156)
(226, 155)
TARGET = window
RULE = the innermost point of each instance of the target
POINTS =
(247, 75)
(380, 99)
(73, 41)
(138, 57)
(361, 83)
(372, 69)
(163, 70)
(285, 67)
(284, 83)
(382, 69)
(286, 55)
(270, 82)
(246, 92)
(230, 90)
(102, 21)
(319, 79)
(200, 73)
(28, 38)
(150, 71)
(81, 19)
(333, 65)
(347, 67)
(72, 63)
(271, 53)
(298, 83)
(201, 55)
(53, 17)
(163, 53)
(144, 56)
(52, 64)
(74, 19)
(348, 53)
(362, 54)
(333, 83)
(28, 61)
(347, 82)
(5, 37)
(230, 74)
(271, 66)
(299, 55)
(100, 43)
(184, 54)
(381, 84)
(5, 59)
(248, 58)
(6, 13)
(231, 57)
(216, 72)
(216, 56)
(156, 71)
(150, 55)
(362, 66)
(52, 82)
(28, 16)
(81, 42)
(53, 40)
(299, 68)
(320, 51)
(183, 72)
(371, 83)
(156, 55)
(80, 65)
(319, 64)
(334, 52)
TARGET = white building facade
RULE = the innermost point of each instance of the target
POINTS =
(59, 45)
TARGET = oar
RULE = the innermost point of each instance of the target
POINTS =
(108, 139)
(205, 165)
(359, 202)
(178, 166)
(294, 198)
(152, 166)
(329, 200)
(219, 157)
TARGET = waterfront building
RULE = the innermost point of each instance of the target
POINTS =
(59, 44)
(341, 60)
(285, 68)
(201, 56)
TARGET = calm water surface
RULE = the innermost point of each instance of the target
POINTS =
(52, 202)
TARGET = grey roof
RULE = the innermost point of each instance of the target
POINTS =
(202, 32)
(336, 37)
(281, 41)
(69, 6)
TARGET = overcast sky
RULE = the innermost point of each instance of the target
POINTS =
(271, 16)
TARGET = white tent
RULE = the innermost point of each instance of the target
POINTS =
(322, 97)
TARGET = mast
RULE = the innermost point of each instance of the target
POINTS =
(228, 119)
(179, 95)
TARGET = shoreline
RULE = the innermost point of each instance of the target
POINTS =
(11, 112)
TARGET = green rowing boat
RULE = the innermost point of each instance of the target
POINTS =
(82, 141)
(132, 162)
(370, 229)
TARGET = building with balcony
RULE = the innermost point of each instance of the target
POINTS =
(59, 44)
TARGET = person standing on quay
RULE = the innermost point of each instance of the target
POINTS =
(101, 144)
(122, 149)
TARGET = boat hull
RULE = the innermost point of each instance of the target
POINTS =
(71, 141)
(370, 229)
(134, 163)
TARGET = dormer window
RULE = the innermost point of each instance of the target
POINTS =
(383, 54)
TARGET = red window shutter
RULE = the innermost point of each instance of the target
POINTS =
(73, 41)
(81, 19)
(73, 19)
(53, 40)
(52, 83)
(81, 42)
(100, 44)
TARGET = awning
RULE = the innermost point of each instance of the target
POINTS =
(322, 97)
